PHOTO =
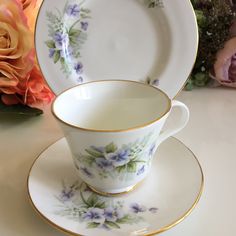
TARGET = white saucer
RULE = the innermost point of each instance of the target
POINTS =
(164, 199)
(85, 40)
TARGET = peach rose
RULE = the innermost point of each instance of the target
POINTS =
(31, 8)
(225, 65)
(27, 3)
(16, 53)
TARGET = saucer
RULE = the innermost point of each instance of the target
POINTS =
(153, 41)
(163, 199)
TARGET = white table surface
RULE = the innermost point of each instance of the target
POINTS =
(210, 134)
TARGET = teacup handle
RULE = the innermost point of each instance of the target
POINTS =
(183, 120)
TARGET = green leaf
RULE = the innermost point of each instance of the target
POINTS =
(112, 224)
(132, 166)
(92, 200)
(56, 56)
(85, 10)
(111, 147)
(84, 16)
(101, 205)
(93, 152)
(50, 44)
(120, 168)
(124, 220)
(92, 225)
(62, 60)
(88, 159)
(74, 33)
(19, 110)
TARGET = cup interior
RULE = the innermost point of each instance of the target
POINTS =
(113, 105)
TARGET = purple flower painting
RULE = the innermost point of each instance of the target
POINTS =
(68, 33)
(97, 212)
(110, 161)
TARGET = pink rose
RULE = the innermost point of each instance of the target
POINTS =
(225, 65)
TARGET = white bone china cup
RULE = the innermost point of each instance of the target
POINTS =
(113, 129)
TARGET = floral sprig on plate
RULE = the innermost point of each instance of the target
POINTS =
(68, 32)
(79, 203)
(111, 160)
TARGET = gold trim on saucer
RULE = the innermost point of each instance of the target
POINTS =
(147, 234)
(169, 226)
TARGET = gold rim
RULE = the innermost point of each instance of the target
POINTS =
(196, 25)
(197, 35)
(165, 228)
(110, 130)
(169, 226)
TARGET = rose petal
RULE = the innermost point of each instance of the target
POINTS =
(10, 52)
(223, 62)
(10, 99)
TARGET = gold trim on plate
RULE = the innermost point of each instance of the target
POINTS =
(147, 234)
(196, 25)
(197, 35)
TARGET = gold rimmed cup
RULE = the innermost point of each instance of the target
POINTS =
(113, 130)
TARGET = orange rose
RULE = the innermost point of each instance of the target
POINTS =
(31, 91)
(16, 53)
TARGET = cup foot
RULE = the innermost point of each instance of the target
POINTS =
(113, 193)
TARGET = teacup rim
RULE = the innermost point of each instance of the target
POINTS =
(112, 130)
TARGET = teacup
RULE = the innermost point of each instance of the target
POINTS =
(113, 129)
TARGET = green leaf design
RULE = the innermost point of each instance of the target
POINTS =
(92, 200)
(121, 168)
(19, 110)
(94, 152)
(124, 220)
(92, 225)
(84, 16)
(85, 10)
(56, 56)
(132, 166)
(50, 44)
(87, 159)
(74, 33)
(62, 60)
(112, 224)
(101, 205)
(111, 148)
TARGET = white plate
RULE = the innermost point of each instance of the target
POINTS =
(165, 198)
(85, 40)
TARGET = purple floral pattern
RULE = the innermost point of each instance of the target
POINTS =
(79, 203)
(68, 33)
(111, 161)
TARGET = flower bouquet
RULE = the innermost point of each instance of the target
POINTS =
(216, 60)
(22, 87)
